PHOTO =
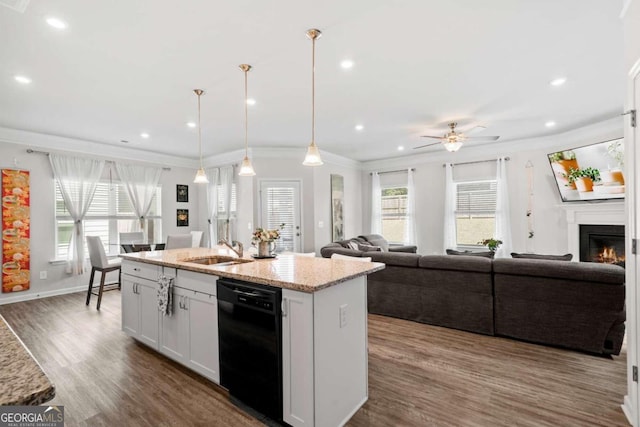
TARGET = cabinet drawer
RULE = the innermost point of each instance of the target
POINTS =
(139, 269)
(199, 282)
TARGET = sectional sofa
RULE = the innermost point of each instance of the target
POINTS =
(574, 305)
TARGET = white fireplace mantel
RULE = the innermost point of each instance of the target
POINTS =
(590, 214)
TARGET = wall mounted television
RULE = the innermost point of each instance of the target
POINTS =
(590, 172)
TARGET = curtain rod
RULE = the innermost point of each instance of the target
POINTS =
(399, 170)
(477, 161)
(31, 151)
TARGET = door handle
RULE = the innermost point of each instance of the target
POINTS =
(184, 303)
(283, 307)
(297, 234)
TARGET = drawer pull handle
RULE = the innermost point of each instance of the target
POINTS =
(136, 269)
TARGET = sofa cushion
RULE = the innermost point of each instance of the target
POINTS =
(368, 248)
(336, 248)
(458, 263)
(565, 257)
(377, 240)
(576, 271)
(487, 254)
(401, 259)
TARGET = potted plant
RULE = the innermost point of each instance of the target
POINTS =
(561, 163)
(583, 178)
(492, 244)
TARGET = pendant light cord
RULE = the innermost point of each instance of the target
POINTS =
(246, 116)
(199, 131)
(313, 92)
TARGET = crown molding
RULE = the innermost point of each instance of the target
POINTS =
(46, 142)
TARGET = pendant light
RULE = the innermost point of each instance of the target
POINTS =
(246, 169)
(201, 176)
(313, 154)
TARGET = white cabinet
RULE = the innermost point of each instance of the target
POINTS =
(324, 354)
(173, 329)
(202, 334)
(140, 314)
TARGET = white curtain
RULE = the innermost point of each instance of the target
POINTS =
(226, 217)
(141, 183)
(450, 240)
(376, 204)
(503, 217)
(212, 205)
(77, 179)
(410, 223)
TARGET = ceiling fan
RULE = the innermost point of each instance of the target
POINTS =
(452, 140)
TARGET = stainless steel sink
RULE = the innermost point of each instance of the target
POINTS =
(217, 260)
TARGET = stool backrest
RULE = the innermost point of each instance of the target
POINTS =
(179, 241)
(197, 238)
(97, 255)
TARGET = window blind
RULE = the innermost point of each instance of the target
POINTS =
(476, 198)
(281, 210)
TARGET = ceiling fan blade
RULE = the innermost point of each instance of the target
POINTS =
(428, 145)
(429, 136)
(486, 138)
(475, 129)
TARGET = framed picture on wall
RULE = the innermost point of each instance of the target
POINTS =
(337, 205)
(182, 193)
(182, 217)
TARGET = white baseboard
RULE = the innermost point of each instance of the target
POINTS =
(627, 408)
(31, 296)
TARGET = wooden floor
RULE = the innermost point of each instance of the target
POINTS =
(419, 375)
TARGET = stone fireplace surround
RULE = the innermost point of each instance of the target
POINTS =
(611, 213)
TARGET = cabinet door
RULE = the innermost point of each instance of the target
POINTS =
(149, 313)
(297, 358)
(130, 309)
(173, 329)
(202, 311)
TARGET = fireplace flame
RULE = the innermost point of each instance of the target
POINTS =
(609, 256)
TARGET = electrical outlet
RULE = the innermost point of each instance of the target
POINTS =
(343, 315)
(43, 275)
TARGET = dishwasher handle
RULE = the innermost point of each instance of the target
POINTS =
(253, 294)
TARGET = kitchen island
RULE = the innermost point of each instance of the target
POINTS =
(323, 330)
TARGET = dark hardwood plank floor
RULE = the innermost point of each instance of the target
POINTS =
(419, 375)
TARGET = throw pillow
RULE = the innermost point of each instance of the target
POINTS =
(487, 254)
(369, 248)
(565, 257)
(353, 244)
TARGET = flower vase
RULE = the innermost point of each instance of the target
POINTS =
(264, 249)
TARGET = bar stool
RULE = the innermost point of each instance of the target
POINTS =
(99, 262)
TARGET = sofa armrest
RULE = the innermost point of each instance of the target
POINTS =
(400, 248)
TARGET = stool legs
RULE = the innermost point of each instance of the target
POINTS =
(102, 277)
(93, 273)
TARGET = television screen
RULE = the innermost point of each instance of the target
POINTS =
(592, 172)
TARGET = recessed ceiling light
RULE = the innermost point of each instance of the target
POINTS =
(191, 124)
(550, 124)
(346, 64)
(400, 148)
(251, 101)
(22, 79)
(56, 23)
(359, 127)
(558, 81)
(144, 135)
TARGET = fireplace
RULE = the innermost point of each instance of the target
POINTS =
(602, 243)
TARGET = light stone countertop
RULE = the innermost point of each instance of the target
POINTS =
(299, 273)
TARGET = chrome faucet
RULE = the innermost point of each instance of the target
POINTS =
(238, 251)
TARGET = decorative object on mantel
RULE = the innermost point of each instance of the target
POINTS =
(337, 205)
(265, 239)
(492, 244)
(16, 230)
(182, 193)
(182, 217)
(313, 154)
(201, 176)
(246, 169)
(530, 233)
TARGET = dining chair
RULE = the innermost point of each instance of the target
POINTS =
(196, 238)
(99, 262)
(127, 248)
(141, 247)
(179, 241)
(132, 238)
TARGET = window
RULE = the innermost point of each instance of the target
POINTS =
(110, 213)
(394, 214)
(227, 227)
(475, 211)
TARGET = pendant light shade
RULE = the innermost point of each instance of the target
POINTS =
(201, 176)
(313, 154)
(246, 169)
(452, 146)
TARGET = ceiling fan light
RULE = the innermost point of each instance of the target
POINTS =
(452, 146)
(313, 156)
(201, 177)
(246, 169)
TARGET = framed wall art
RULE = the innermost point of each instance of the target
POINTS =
(182, 217)
(182, 193)
(16, 226)
(337, 207)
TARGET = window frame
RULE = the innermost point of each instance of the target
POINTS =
(473, 181)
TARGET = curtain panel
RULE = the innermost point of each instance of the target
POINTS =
(141, 183)
(450, 240)
(503, 214)
(376, 204)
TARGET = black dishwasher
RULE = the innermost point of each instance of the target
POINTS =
(250, 335)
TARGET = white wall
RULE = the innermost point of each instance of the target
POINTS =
(550, 221)
(43, 220)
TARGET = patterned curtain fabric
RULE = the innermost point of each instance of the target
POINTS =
(77, 179)
(450, 240)
(503, 217)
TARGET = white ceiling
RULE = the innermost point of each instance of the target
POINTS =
(124, 67)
